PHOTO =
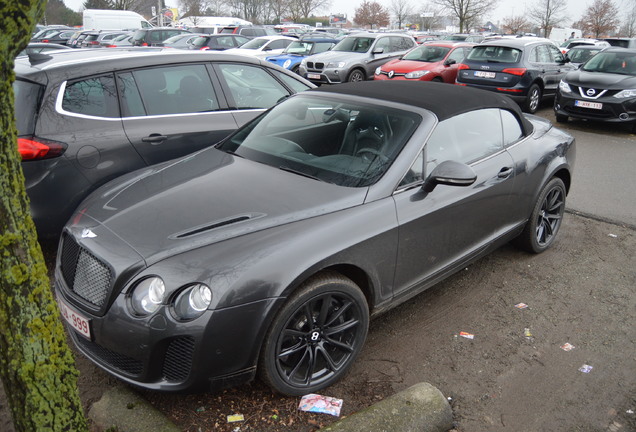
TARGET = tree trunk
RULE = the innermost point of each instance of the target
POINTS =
(36, 365)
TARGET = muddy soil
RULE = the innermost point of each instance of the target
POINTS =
(512, 376)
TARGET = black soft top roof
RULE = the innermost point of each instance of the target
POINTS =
(443, 100)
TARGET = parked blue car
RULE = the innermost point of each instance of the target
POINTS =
(297, 50)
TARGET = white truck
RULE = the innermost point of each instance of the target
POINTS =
(560, 35)
(103, 19)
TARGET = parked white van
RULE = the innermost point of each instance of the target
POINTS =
(103, 19)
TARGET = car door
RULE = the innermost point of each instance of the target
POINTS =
(173, 110)
(449, 72)
(546, 68)
(560, 68)
(442, 229)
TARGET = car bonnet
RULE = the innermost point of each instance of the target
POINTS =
(205, 198)
(613, 81)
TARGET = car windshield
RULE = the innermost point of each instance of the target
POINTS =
(427, 53)
(254, 44)
(623, 63)
(494, 54)
(354, 44)
(582, 55)
(299, 48)
(327, 139)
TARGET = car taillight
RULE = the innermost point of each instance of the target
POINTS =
(510, 90)
(144, 44)
(94, 43)
(45, 40)
(462, 66)
(37, 148)
(111, 46)
(204, 48)
(515, 71)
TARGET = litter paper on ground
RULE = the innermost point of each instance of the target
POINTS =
(467, 335)
(235, 418)
(567, 347)
(586, 368)
(320, 404)
(521, 306)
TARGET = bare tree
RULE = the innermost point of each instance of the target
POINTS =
(192, 8)
(628, 28)
(468, 12)
(429, 17)
(515, 24)
(600, 18)
(401, 9)
(370, 14)
(279, 9)
(547, 14)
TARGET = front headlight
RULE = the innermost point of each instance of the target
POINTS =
(628, 93)
(416, 74)
(287, 63)
(564, 87)
(147, 296)
(192, 302)
(336, 64)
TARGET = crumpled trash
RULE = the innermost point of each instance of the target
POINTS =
(586, 368)
(320, 404)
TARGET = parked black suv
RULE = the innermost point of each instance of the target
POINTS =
(526, 69)
(85, 117)
(155, 36)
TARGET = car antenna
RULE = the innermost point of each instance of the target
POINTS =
(35, 58)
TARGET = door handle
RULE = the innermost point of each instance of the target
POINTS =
(504, 172)
(154, 138)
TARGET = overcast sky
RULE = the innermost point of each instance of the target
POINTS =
(506, 7)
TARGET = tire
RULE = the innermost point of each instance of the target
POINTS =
(560, 118)
(295, 69)
(437, 79)
(315, 337)
(356, 75)
(533, 100)
(545, 220)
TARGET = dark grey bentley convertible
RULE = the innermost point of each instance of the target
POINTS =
(269, 252)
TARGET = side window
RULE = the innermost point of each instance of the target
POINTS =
(512, 131)
(251, 86)
(384, 43)
(279, 44)
(290, 82)
(248, 32)
(465, 138)
(557, 57)
(224, 42)
(543, 54)
(93, 96)
(414, 174)
(240, 40)
(156, 36)
(175, 90)
(132, 105)
(457, 55)
(404, 44)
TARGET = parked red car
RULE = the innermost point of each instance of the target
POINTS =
(436, 61)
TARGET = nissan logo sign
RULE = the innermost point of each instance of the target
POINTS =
(590, 92)
(391, 73)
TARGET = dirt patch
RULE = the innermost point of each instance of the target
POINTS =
(513, 375)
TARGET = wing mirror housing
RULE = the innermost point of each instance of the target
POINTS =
(450, 173)
(449, 62)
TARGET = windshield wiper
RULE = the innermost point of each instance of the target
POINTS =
(300, 173)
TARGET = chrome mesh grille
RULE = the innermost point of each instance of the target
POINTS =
(178, 360)
(84, 274)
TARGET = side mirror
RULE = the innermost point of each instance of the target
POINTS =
(450, 173)
(449, 62)
(378, 50)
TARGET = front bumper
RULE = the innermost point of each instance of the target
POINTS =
(217, 350)
(324, 76)
(611, 109)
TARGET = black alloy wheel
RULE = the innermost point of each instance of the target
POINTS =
(546, 218)
(316, 336)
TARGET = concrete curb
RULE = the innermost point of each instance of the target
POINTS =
(420, 408)
(125, 411)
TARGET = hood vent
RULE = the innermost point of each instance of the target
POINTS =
(214, 225)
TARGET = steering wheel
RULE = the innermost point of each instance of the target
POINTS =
(374, 152)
